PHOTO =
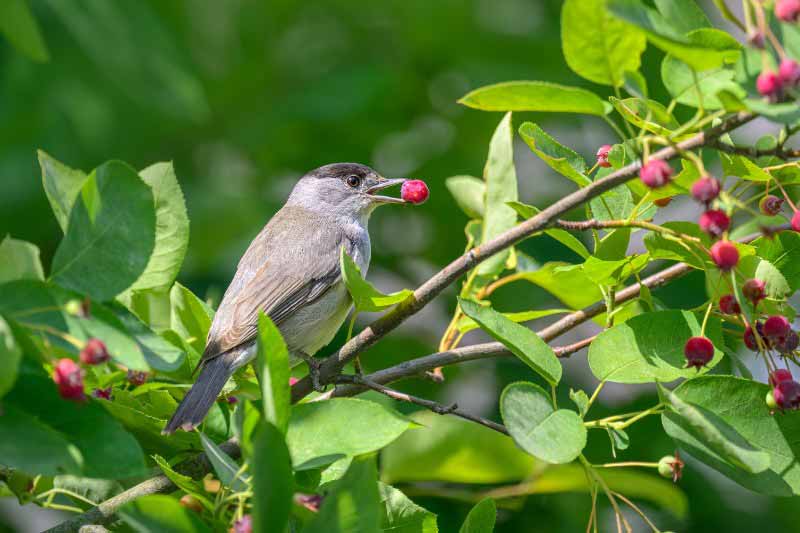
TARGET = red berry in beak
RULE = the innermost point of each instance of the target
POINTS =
(728, 305)
(753, 290)
(714, 222)
(787, 394)
(787, 10)
(602, 156)
(725, 255)
(698, 351)
(705, 189)
(779, 375)
(655, 173)
(69, 378)
(414, 191)
(776, 327)
(94, 352)
(770, 205)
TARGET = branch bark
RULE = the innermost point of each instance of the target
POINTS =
(546, 218)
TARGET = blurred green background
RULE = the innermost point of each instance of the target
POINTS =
(245, 97)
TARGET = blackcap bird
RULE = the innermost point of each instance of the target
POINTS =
(290, 272)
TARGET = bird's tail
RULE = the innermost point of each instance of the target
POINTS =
(197, 402)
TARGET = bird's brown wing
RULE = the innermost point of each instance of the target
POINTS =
(291, 263)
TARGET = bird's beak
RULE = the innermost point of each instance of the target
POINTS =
(383, 184)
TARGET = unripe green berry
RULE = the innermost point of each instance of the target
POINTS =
(770, 400)
(665, 468)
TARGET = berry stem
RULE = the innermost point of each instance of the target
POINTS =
(705, 319)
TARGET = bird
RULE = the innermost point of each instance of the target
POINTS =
(291, 273)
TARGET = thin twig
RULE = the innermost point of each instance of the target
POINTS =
(751, 151)
(445, 277)
(606, 224)
(436, 407)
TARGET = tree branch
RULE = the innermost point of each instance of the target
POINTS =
(750, 151)
(544, 219)
(607, 224)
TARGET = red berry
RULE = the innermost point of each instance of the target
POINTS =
(136, 377)
(787, 10)
(714, 222)
(787, 394)
(769, 84)
(292, 381)
(102, 394)
(755, 39)
(663, 202)
(753, 290)
(602, 156)
(789, 72)
(776, 327)
(750, 339)
(788, 343)
(770, 205)
(698, 351)
(725, 255)
(705, 189)
(312, 502)
(655, 173)
(414, 191)
(94, 352)
(243, 525)
(69, 378)
(779, 375)
(796, 221)
(729, 305)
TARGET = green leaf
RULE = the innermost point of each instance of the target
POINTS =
(684, 84)
(684, 15)
(159, 512)
(743, 168)
(273, 364)
(715, 434)
(649, 347)
(522, 342)
(535, 96)
(19, 260)
(739, 403)
(10, 356)
(190, 316)
(663, 247)
(570, 285)
(172, 228)
(702, 49)
(481, 518)
(97, 443)
(160, 354)
(316, 431)
(20, 28)
(602, 50)
(272, 480)
(784, 113)
(501, 187)
(776, 286)
(563, 160)
(783, 251)
(401, 515)
(555, 436)
(564, 237)
(580, 399)
(452, 450)
(185, 483)
(62, 185)
(102, 258)
(466, 324)
(647, 114)
(469, 193)
(353, 505)
(228, 471)
(365, 296)
(615, 204)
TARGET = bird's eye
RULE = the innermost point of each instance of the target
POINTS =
(353, 181)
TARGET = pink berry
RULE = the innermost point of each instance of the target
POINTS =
(292, 381)
(705, 189)
(655, 173)
(787, 394)
(68, 376)
(754, 290)
(769, 84)
(776, 327)
(789, 72)
(728, 305)
(136, 377)
(243, 525)
(602, 156)
(94, 352)
(796, 221)
(725, 255)
(787, 10)
(102, 394)
(714, 222)
(770, 205)
(698, 351)
(414, 191)
(779, 375)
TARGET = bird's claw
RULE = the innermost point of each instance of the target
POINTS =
(314, 366)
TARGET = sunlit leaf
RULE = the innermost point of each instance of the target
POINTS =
(365, 296)
(563, 160)
(469, 193)
(535, 96)
(481, 518)
(19, 260)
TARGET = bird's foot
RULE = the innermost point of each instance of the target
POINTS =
(314, 366)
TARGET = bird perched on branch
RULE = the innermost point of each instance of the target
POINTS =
(290, 272)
